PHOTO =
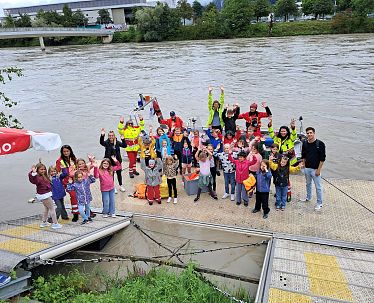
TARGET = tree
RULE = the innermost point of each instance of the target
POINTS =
(261, 8)
(197, 10)
(79, 19)
(158, 23)
(285, 8)
(67, 16)
(104, 17)
(343, 5)
(210, 6)
(237, 14)
(7, 120)
(185, 10)
(9, 21)
(24, 20)
(318, 7)
(363, 7)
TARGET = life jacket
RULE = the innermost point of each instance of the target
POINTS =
(250, 183)
(140, 191)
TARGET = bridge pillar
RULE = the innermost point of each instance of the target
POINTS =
(41, 41)
(107, 39)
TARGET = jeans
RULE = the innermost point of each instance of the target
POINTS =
(281, 196)
(229, 179)
(84, 210)
(310, 174)
(109, 205)
(241, 193)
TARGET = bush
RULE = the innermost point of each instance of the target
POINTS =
(346, 23)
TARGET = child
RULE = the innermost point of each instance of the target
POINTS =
(213, 167)
(147, 147)
(241, 146)
(215, 141)
(178, 145)
(229, 117)
(38, 176)
(281, 179)
(58, 191)
(196, 144)
(229, 137)
(105, 174)
(165, 149)
(84, 197)
(263, 179)
(186, 157)
(170, 171)
(162, 141)
(242, 173)
(254, 153)
(153, 179)
(228, 172)
(205, 177)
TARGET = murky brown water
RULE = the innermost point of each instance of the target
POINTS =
(77, 90)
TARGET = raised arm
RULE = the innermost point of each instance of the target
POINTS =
(102, 137)
(236, 111)
(293, 135)
(210, 97)
(270, 128)
(222, 96)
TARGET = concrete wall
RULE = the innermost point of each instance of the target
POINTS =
(118, 15)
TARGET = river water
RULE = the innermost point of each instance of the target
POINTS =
(76, 90)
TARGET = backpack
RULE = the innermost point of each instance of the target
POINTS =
(140, 191)
(250, 184)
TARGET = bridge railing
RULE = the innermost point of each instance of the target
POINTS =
(55, 29)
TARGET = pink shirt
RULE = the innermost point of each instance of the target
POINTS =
(106, 179)
(255, 167)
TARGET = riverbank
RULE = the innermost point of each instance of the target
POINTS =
(341, 25)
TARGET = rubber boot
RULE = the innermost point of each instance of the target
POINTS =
(198, 195)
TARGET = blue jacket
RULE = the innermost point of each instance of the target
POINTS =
(263, 181)
(82, 190)
(58, 190)
(159, 143)
(215, 141)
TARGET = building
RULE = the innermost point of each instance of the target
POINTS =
(120, 10)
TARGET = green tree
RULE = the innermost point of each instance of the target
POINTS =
(104, 17)
(237, 15)
(185, 10)
(24, 20)
(67, 16)
(197, 10)
(53, 18)
(210, 6)
(343, 5)
(285, 8)
(158, 23)
(261, 8)
(9, 22)
(79, 19)
(318, 7)
(6, 119)
(209, 23)
(363, 7)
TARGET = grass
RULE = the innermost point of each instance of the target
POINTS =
(159, 285)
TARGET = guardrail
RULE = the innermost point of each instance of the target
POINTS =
(56, 29)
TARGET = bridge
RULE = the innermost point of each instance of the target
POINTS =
(41, 32)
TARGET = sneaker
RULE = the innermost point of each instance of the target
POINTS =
(115, 191)
(169, 200)
(265, 216)
(131, 175)
(196, 199)
(105, 216)
(44, 224)
(246, 204)
(277, 208)
(158, 201)
(84, 222)
(122, 188)
(113, 215)
(255, 211)
(56, 225)
(318, 207)
(232, 198)
(283, 208)
(226, 195)
(238, 203)
(304, 199)
(136, 173)
(175, 201)
(215, 197)
(31, 200)
(89, 219)
(218, 173)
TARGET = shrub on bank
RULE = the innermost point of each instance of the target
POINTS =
(346, 23)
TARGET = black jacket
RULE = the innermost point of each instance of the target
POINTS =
(112, 149)
(230, 123)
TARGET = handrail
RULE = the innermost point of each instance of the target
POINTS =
(55, 29)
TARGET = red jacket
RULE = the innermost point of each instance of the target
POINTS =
(173, 124)
(249, 116)
(43, 186)
(242, 168)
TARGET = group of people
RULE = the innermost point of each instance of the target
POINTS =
(243, 155)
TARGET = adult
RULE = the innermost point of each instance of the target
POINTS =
(112, 148)
(313, 156)
(253, 117)
(215, 108)
(229, 117)
(173, 122)
(131, 133)
(68, 160)
(284, 138)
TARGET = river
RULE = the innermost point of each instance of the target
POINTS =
(76, 90)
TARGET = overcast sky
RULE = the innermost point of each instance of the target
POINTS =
(20, 3)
